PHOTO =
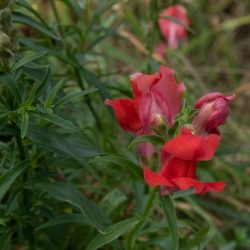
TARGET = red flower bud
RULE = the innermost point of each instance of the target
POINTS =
(214, 111)
(172, 31)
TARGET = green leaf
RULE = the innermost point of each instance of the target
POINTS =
(104, 6)
(135, 170)
(234, 23)
(93, 79)
(64, 219)
(68, 193)
(57, 120)
(170, 213)
(28, 59)
(114, 232)
(198, 238)
(183, 193)
(7, 179)
(24, 19)
(5, 241)
(11, 84)
(24, 124)
(113, 200)
(82, 3)
(44, 82)
(153, 139)
(72, 96)
(53, 93)
(2, 223)
(77, 147)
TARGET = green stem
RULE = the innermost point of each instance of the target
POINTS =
(134, 232)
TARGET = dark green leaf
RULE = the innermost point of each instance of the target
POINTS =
(64, 219)
(72, 96)
(24, 123)
(77, 147)
(114, 232)
(58, 121)
(170, 213)
(135, 170)
(198, 238)
(68, 193)
(5, 241)
(93, 80)
(28, 59)
(24, 19)
(11, 84)
(183, 193)
(7, 179)
(53, 93)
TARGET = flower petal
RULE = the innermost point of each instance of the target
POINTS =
(154, 179)
(187, 146)
(184, 183)
(126, 114)
(176, 167)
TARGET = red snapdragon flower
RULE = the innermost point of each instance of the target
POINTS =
(172, 31)
(179, 161)
(213, 112)
(153, 95)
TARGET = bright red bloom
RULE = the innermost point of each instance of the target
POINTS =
(179, 159)
(172, 31)
(156, 94)
(214, 111)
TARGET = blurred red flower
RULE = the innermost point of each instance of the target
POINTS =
(153, 95)
(179, 160)
(213, 112)
(172, 31)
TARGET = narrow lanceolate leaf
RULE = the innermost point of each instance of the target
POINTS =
(72, 96)
(5, 240)
(170, 213)
(183, 193)
(28, 59)
(24, 123)
(77, 146)
(58, 121)
(24, 19)
(10, 83)
(153, 139)
(198, 239)
(7, 179)
(114, 232)
(93, 80)
(2, 223)
(134, 169)
(64, 219)
(68, 193)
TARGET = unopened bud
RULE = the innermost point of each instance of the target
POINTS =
(190, 127)
(5, 19)
(159, 124)
(5, 41)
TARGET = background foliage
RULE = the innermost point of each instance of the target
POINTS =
(68, 179)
